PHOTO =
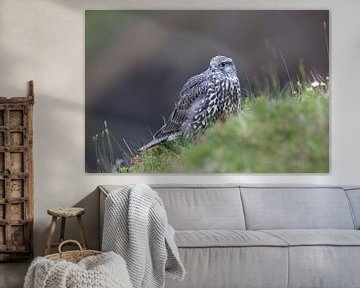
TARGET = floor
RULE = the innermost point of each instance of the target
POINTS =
(12, 274)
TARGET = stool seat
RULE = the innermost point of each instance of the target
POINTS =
(63, 213)
(66, 211)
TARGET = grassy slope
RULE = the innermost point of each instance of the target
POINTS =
(279, 135)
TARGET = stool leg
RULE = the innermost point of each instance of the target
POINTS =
(62, 230)
(51, 235)
(82, 232)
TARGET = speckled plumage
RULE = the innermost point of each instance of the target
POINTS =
(204, 99)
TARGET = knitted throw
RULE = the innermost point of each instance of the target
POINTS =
(103, 271)
(136, 227)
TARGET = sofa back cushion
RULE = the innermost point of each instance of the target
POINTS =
(354, 198)
(203, 208)
(296, 208)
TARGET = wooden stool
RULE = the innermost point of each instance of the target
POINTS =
(64, 213)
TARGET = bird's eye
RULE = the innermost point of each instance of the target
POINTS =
(222, 64)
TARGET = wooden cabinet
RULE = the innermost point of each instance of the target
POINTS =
(16, 177)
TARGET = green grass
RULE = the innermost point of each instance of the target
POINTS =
(165, 157)
(285, 134)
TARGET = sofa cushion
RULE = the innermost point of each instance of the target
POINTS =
(296, 208)
(322, 258)
(324, 266)
(354, 198)
(203, 208)
(316, 237)
(199, 207)
(226, 238)
(218, 267)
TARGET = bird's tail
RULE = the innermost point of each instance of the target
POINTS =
(154, 142)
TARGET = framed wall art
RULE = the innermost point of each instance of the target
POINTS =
(241, 91)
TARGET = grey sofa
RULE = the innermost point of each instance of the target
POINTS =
(242, 236)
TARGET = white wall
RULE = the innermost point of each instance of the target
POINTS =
(44, 41)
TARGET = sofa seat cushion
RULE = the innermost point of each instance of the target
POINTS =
(226, 238)
(323, 258)
(317, 237)
(235, 267)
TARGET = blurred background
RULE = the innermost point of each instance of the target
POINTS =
(138, 61)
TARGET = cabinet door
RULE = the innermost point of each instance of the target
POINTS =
(16, 197)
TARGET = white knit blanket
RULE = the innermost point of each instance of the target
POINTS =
(103, 271)
(136, 227)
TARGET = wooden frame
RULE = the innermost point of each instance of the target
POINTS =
(16, 177)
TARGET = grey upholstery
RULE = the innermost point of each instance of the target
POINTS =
(225, 238)
(322, 257)
(315, 237)
(354, 198)
(265, 237)
(238, 267)
(195, 208)
(324, 266)
(230, 257)
(296, 208)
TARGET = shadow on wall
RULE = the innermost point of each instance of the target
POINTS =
(56, 155)
(31, 51)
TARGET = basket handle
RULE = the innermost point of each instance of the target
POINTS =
(69, 241)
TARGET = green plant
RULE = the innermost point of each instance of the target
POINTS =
(279, 135)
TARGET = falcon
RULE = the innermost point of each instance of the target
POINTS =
(205, 98)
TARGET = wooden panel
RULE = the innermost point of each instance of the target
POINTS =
(16, 162)
(2, 235)
(2, 139)
(16, 118)
(2, 161)
(16, 177)
(17, 233)
(2, 118)
(17, 211)
(16, 139)
(2, 189)
(2, 211)
(17, 188)
(13, 248)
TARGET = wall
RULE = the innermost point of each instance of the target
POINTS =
(44, 41)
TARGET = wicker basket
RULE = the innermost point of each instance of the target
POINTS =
(72, 256)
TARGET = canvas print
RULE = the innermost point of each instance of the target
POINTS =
(237, 91)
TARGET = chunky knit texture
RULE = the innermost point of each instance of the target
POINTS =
(136, 227)
(103, 271)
